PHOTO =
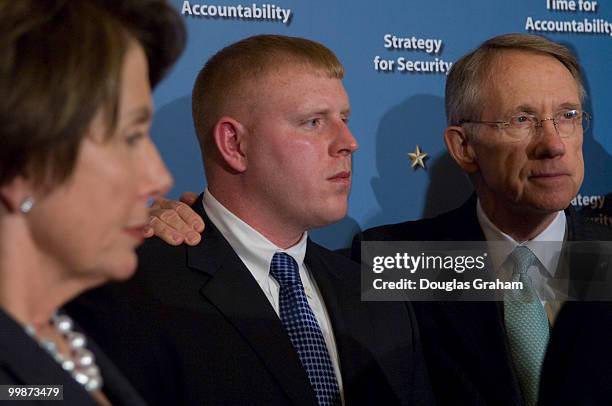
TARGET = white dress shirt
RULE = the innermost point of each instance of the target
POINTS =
(256, 252)
(547, 248)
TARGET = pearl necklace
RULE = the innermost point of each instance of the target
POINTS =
(80, 363)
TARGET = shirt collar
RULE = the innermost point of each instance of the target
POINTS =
(539, 245)
(251, 246)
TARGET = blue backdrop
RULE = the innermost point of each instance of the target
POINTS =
(396, 88)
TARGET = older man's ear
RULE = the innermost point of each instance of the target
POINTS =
(460, 149)
(175, 222)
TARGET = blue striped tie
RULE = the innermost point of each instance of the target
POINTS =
(303, 329)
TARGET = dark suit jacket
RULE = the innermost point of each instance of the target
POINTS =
(578, 365)
(465, 342)
(24, 362)
(193, 327)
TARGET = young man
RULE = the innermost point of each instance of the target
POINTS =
(256, 312)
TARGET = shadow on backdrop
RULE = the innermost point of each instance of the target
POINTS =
(175, 137)
(597, 160)
(597, 173)
(404, 193)
(337, 236)
(597, 163)
(449, 187)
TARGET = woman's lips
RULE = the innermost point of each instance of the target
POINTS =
(136, 232)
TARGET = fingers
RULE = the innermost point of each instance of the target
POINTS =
(175, 222)
(161, 203)
(188, 198)
(190, 217)
(165, 232)
(148, 231)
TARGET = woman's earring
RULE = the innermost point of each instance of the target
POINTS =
(26, 205)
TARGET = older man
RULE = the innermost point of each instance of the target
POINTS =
(256, 313)
(515, 127)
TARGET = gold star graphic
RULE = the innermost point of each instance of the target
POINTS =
(417, 157)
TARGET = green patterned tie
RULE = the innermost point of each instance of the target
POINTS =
(527, 326)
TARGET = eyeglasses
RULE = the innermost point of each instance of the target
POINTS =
(524, 125)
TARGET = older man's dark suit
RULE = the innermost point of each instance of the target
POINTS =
(193, 327)
(578, 366)
(465, 342)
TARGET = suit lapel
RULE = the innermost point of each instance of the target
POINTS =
(482, 333)
(233, 291)
(480, 325)
(327, 282)
(332, 294)
(341, 297)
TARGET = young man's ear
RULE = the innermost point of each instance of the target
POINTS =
(460, 149)
(229, 135)
(17, 195)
